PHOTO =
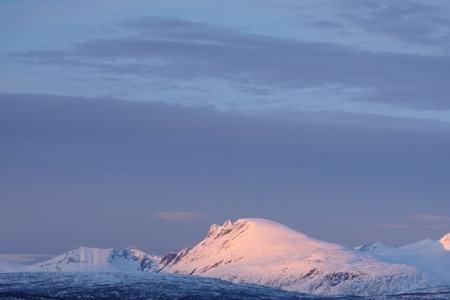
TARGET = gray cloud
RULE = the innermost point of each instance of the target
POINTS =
(415, 22)
(184, 50)
(67, 159)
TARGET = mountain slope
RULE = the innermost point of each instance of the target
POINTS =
(264, 252)
(86, 259)
(445, 241)
(429, 256)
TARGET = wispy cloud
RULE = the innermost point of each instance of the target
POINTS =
(430, 218)
(183, 50)
(421, 221)
(394, 226)
(24, 258)
(411, 22)
(413, 226)
(178, 216)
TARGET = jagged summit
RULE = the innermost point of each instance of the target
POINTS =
(261, 251)
(372, 247)
(257, 231)
(445, 241)
(214, 228)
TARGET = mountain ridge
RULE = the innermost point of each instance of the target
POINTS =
(260, 251)
(88, 259)
(265, 252)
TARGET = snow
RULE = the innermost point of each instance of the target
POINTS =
(429, 256)
(265, 252)
(373, 247)
(85, 259)
(260, 251)
(445, 241)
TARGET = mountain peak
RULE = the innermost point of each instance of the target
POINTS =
(262, 233)
(87, 259)
(215, 228)
(445, 241)
(372, 247)
(265, 252)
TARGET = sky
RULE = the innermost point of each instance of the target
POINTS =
(142, 123)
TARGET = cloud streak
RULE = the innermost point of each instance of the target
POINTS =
(413, 226)
(183, 50)
(411, 22)
(179, 216)
(430, 218)
(421, 221)
(24, 258)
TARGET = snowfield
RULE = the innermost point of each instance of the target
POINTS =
(86, 259)
(263, 252)
(429, 256)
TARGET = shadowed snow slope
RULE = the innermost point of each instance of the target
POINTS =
(264, 252)
(429, 256)
(86, 259)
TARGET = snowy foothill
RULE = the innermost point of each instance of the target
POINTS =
(85, 259)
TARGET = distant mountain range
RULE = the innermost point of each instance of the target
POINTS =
(263, 252)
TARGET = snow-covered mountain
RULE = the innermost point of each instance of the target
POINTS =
(86, 259)
(264, 252)
(428, 256)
